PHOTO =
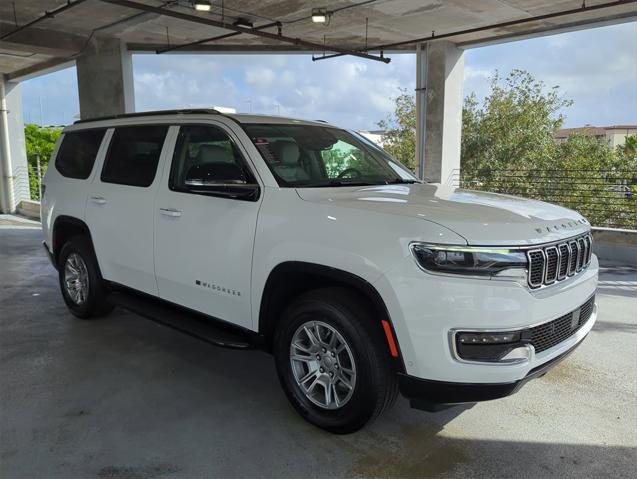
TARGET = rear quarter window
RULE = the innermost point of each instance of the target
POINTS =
(77, 153)
(133, 155)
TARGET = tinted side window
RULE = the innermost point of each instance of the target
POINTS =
(133, 155)
(206, 153)
(77, 153)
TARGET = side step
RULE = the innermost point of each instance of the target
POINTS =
(189, 322)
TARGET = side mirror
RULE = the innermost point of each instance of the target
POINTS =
(238, 189)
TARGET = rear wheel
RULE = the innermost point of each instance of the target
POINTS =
(332, 363)
(82, 287)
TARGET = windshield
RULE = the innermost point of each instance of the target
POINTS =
(307, 156)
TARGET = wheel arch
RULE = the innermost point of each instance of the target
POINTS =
(289, 279)
(64, 228)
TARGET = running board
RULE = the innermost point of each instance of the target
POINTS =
(189, 322)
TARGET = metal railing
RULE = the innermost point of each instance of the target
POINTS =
(605, 198)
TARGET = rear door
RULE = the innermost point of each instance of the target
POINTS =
(204, 242)
(68, 179)
(119, 210)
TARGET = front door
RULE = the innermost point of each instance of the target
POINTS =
(204, 243)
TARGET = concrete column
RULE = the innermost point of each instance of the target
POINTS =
(105, 79)
(421, 106)
(442, 67)
(14, 172)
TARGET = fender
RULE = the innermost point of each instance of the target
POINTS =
(63, 228)
(291, 278)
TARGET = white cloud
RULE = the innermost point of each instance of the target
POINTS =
(260, 77)
(596, 68)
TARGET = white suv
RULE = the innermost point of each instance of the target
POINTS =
(312, 243)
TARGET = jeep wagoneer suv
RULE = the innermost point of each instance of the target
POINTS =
(312, 243)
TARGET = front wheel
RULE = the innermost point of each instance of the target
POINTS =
(332, 361)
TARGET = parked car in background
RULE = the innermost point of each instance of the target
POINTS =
(623, 191)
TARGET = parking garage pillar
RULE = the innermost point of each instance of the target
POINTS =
(439, 82)
(14, 172)
(105, 79)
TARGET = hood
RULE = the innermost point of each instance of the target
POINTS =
(481, 218)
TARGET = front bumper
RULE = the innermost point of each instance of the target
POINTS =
(426, 310)
(436, 395)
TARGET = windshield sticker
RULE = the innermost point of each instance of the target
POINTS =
(264, 148)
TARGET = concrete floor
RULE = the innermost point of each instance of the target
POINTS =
(125, 398)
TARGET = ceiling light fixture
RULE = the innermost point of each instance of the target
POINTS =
(242, 22)
(202, 5)
(320, 15)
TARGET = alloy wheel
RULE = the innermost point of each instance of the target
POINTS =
(76, 280)
(323, 365)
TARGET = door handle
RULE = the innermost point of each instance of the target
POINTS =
(100, 200)
(170, 212)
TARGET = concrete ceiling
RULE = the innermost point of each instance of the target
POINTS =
(60, 39)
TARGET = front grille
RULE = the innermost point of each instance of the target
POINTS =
(557, 261)
(547, 335)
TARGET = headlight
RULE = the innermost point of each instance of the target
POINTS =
(468, 261)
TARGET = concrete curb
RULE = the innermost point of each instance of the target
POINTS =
(30, 209)
(615, 245)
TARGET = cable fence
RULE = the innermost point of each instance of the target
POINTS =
(605, 198)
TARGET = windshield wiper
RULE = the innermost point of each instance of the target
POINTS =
(401, 181)
(351, 183)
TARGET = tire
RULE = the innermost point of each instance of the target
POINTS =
(374, 383)
(77, 255)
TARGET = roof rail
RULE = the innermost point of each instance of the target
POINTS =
(204, 111)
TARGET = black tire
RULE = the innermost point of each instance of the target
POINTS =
(96, 303)
(376, 385)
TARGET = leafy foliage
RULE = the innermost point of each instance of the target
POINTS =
(508, 147)
(400, 137)
(514, 126)
(629, 148)
(40, 142)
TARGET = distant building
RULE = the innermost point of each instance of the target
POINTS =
(615, 135)
(377, 136)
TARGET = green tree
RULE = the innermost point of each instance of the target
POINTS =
(629, 148)
(588, 176)
(512, 129)
(400, 136)
(40, 142)
(508, 147)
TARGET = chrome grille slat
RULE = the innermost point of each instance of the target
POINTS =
(572, 264)
(564, 251)
(589, 251)
(552, 263)
(581, 254)
(537, 259)
(557, 261)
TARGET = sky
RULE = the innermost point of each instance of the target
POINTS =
(596, 68)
